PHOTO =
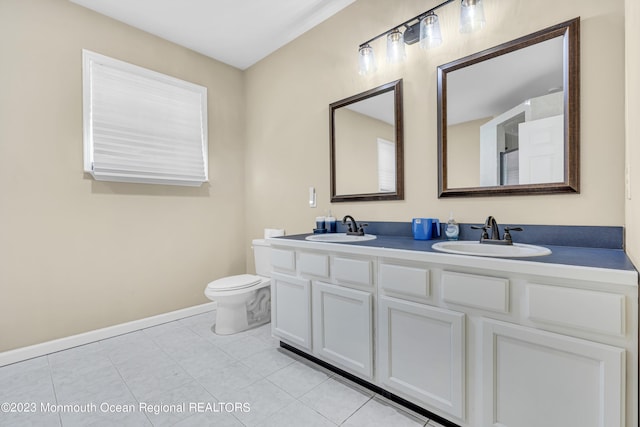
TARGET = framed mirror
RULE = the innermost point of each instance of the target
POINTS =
(366, 145)
(509, 118)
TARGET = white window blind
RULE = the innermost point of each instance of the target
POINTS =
(142, 126)
(386, 166)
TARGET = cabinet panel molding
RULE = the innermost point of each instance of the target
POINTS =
(291, 309)
(314, 264)
(422, 353)
(533, 378)
(474, 290)
(356, 271)
(594, 311)
(404, 280)
(342, 327)
(283, 259)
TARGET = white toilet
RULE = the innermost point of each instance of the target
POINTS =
(244, 301)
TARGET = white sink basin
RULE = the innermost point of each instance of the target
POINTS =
(339, 238)
(485, 249)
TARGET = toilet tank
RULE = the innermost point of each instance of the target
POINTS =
(262, 257)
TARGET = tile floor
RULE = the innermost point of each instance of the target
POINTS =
(182, 374)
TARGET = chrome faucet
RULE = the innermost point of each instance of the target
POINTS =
(492, 224)
(353, 229)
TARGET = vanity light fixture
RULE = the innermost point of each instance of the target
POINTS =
(430, 35)
(425, 28)
(366, 59)
(471, 16)
(395, 47)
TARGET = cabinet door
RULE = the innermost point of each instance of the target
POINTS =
(342, 327)
(534, 378)
(291, 309)
(421, 353)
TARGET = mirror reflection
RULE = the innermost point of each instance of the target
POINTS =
(508, 117)
(366, 145)
(508, 131)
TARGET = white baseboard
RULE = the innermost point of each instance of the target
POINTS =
(24, 353)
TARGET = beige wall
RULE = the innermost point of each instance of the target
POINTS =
(632, 49)
(289, 93)
(76, 254)
(356, 151)
(463, 167)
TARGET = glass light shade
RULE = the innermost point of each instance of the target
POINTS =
(395, 47)
(366, 60)
(430, 35)
(471, 16)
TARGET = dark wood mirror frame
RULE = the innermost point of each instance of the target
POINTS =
(396, 87)
(570, 30)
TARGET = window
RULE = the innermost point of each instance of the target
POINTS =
(142, 126)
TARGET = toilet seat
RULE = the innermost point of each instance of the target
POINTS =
(233, 283)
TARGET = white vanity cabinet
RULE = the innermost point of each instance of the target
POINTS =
(291, 309)
(290, 300)
(421, 353)
(322, 303)
(533, 378)
(342, 327)
(482, 342)
(420, 348)
(341, 310)
(569, 366)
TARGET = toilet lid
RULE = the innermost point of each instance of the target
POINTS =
(234, 282)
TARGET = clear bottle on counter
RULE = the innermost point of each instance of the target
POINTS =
(452, 230)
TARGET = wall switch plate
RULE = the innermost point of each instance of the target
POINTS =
(312, 197)
(627, 181)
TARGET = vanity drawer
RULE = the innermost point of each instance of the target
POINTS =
(594, 311)
(283, 259)
(404, 280)
(349, 270)
(313, 264)
(477, 291)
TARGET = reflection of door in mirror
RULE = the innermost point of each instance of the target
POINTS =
(500, 116)
(533, 134)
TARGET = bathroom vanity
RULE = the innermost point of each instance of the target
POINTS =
(478, 341)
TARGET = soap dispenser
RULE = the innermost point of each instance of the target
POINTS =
(330, 222)
(452, 230)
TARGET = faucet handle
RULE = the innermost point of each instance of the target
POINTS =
(484, 228)
(507, 234)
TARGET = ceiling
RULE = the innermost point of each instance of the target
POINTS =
(491, 87)
(380, 107)
(236, 32)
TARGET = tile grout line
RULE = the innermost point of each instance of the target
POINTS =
(354, 412)
(53, 386)
(126, 384)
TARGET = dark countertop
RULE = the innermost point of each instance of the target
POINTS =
(615, 259)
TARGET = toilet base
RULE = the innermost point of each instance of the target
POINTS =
(237, 313)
